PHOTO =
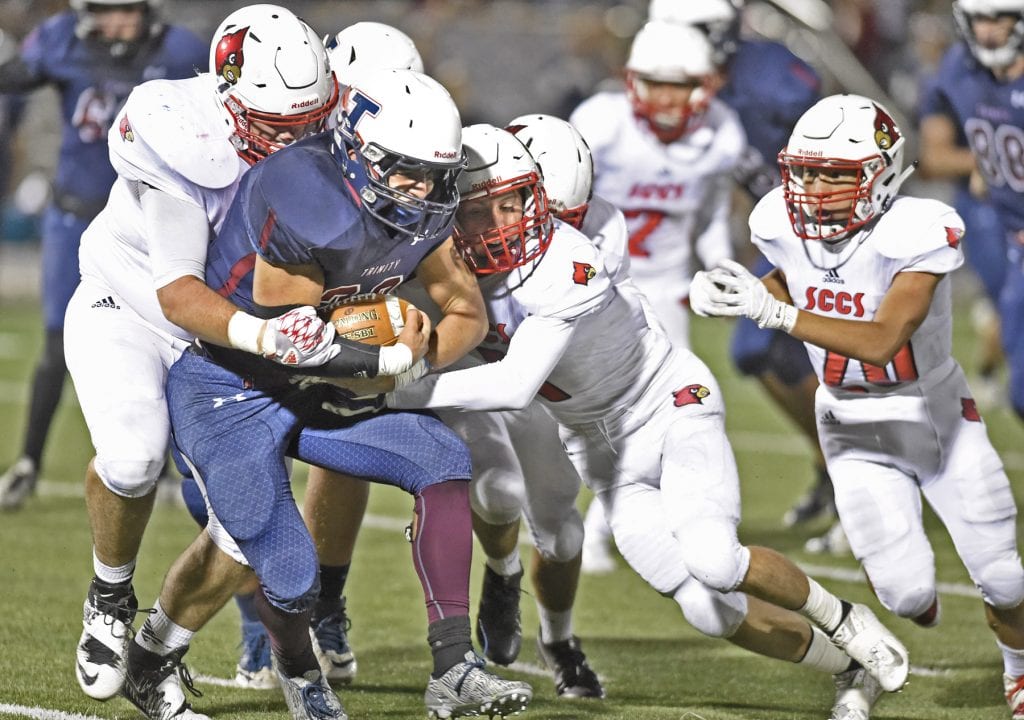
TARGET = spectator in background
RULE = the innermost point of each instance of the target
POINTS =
(94, 55)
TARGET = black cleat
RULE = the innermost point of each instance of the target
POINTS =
(498, 629)
(573, 676)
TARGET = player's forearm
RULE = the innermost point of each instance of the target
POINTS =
(871, 342)
(455, 335)
(495, 386)
(952, 163)
(191, 305)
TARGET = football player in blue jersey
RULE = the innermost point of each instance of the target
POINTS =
(355, 211)
(945, 154)
(94, 55)
(981, 81)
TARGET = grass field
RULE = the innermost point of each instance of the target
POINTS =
(654, 666)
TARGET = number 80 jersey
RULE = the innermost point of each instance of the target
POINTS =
(848, 280)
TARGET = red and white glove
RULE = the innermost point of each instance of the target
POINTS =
(299, 337)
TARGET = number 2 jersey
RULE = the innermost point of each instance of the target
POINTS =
(675, 197)
(849, 282)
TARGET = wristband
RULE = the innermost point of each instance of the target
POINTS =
(780, 316)
(394, 359)
(244, 332)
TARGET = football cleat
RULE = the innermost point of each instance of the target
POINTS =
(18, 483)
(106, 633)
(856, 693)
(310, 697)
(467, 690)
(498, 628)
(816, 502)
(863, 637)
(833, 542)
(330, 644)
(573, 676)
(1014, 688)
(153, 683)
(254, 669)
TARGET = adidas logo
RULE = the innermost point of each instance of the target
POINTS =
(829, 419)
(107, 302)
(832, 276)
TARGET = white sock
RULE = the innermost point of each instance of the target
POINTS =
(161, 635)
(506, 566)
(823, 655)
(822, 607)
(112, 575)
(1013, 660)
(554, 626)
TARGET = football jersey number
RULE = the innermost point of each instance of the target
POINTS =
(999, 151)
(903, 367)
(649, 220)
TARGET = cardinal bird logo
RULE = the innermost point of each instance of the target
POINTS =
(125, 128)
(228, 58)
(886, 132)
(691, 395)
(582, 273)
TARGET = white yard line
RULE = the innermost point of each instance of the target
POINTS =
(42, 713)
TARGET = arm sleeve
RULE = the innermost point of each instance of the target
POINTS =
(509, 384)
(177, 233)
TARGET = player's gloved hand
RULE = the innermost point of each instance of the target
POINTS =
(705, 296)
(745, 295)
(299, 338)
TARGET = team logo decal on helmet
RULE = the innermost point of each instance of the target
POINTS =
(229, 58)
(582, 273)
(691, 395)
(125, 128)
(886, 132)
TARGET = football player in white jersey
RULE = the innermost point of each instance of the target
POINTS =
(664, 151)
(619, 389)
(180, 148)
(862, 278)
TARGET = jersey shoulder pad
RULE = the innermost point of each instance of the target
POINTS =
(598, 117)
(917, 226)
(769, 219)
(605, 225)
(178, 121)
(569, 281)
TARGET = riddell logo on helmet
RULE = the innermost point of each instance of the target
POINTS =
(304, 103)
(445, 154)
(810, 153)
(487, 183)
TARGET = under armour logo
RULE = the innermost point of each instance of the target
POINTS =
(220, 402)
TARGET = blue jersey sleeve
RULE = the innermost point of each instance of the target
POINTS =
(48, 43)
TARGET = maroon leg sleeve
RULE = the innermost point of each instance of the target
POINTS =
(442, 548)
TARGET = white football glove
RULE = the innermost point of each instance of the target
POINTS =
(299, 338)
(745, 295)
(705, 296)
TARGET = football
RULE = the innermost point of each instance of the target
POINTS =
(370, 318)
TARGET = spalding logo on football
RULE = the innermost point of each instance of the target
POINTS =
(370, 318)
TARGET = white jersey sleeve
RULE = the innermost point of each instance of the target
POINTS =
(597, 118)
(770, 230)
(926, 236)
(605, 225)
